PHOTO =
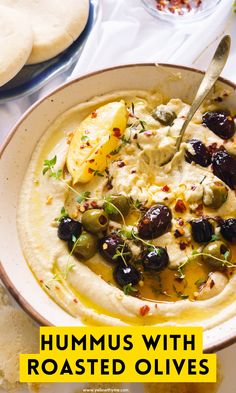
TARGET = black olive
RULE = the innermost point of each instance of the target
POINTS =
(125, 275)
(111, 245)
(155, 222)
(68, 228)
(202, 230)
(155, 259)
(224, 167)
(202, 155)
(220, 122)
(228, 230)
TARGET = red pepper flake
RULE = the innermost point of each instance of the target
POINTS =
(90, 170)
(155, 306)
(183, 245)
(94, 204)
(135, 136)
(92, 160)
(180, 221)
(176, 5)
(133, 171)
(180, 206)
(166, 188)
(199, 210)
(120, 164)
(75, 301)
(144, 310)
(94, 115)
(116, 132)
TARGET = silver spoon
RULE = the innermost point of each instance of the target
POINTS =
(213, 72)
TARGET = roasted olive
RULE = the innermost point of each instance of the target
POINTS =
(85, 246)
(219, 250)
(228, 229)
(117, 205)
(125, 275)
(155, 259)
(155, 222)
(202, 230)
(224, 167)
(68, 228)
(220, 122)
(114, 249)
(217, 194)
(164, 115)
(201, 155)
(95, 220)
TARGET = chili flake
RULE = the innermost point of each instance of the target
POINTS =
(165, 188)
(144, 310)
(94, 115)
(116, 132)
(180, 206)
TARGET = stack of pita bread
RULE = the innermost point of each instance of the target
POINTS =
(33, 31)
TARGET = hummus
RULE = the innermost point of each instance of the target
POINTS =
(187, 291)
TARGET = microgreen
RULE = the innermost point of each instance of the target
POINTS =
(214, 238)
(132, 106)
(84, 138)
(143, 126)
(129, 288)
(121, 253)
(139, 146)
(136, 203)
(180, 294)
(126, 233)
(62, 214)
(151, 247)
(48, 166)
(224, 262)
(83, 196)
(96, 172)
(200, 282)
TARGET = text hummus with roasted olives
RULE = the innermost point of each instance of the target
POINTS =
(118, 237)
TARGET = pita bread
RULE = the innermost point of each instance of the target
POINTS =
(16, 41)
(55, 23)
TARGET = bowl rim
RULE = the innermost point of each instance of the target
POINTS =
(26, 306)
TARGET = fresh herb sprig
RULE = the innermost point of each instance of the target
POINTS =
(128, 289)
(49, 166)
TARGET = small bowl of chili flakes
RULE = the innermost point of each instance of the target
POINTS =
(181, 10)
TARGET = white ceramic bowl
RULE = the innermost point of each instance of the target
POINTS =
(173, 81)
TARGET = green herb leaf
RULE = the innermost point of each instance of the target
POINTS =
(84, 138)
(83, 196)
(139, 146)
(200, 282)
(214, 238)
(129, 288)
(62, 215)
(96, 172)
(143, 126)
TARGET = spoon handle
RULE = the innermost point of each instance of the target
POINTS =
(213, 72)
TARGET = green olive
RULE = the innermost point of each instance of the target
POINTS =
(164, 115)
(117, 204)
(85, 246)
(95, 220)
(216, 249)
(219, 195)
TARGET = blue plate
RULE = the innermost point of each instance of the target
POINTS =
(32, 77)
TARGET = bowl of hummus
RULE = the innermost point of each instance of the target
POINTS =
(98, 229)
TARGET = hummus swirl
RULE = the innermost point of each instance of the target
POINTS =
(87, 291)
